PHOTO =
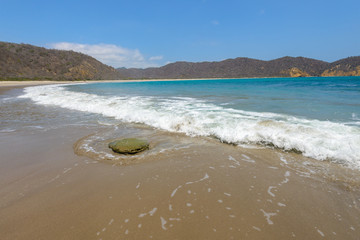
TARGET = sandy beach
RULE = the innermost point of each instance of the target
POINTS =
(201, 189)
(47, 82)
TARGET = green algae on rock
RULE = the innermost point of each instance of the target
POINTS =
(129, 145)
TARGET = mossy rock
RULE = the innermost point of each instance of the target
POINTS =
(129, 145)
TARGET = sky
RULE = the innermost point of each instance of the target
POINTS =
(140, 33)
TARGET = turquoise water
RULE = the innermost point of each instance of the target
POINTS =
(318, 117)
(334, 98)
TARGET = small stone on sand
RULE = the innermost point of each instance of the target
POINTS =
(129, 145)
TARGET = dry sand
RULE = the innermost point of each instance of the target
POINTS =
(208, 190)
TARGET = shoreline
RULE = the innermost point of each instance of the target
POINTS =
(39, 82)
(24, 83)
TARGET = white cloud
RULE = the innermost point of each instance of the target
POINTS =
(156, 58)
(215, 22)
(111, 54)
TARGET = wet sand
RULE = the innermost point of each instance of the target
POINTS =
(203, 190)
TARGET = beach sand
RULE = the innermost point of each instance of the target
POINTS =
(49, 189)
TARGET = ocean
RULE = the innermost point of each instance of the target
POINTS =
(316, 117)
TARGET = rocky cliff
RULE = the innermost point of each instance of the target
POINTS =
(344, 67)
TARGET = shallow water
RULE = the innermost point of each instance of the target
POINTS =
(318, 117)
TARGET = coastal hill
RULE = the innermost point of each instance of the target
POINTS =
(247, 67)
(345, 67)
(28, 62)
(24, 61)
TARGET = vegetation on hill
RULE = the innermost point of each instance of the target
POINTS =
(247, 67)
(24, 61)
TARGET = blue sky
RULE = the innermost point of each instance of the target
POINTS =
(139, 33)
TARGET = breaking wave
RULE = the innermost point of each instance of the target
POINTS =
(321, 140)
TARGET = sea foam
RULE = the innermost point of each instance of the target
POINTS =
(321, 140)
